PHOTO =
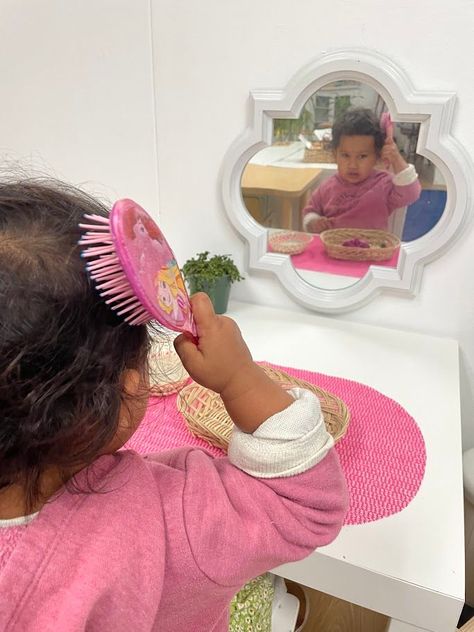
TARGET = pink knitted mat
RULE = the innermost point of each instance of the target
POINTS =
(383, 453)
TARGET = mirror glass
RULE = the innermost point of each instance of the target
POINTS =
(342, 166)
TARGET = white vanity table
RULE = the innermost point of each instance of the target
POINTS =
(409, 566)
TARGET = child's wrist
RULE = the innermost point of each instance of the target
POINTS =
(240, 382)
(252, 397)
(399, 164)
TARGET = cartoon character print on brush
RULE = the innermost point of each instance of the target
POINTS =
(171, 292)
(145, 239)
(134, 268)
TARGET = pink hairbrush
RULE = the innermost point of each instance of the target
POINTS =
(387, 125)
(134, 268)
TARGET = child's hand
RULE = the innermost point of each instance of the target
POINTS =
(319, 225)
(220, 352)
(392, 157)
(222, 362)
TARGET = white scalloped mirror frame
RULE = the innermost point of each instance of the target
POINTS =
(434, 112)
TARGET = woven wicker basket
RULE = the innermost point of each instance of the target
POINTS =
(289, 242)
(319, 152)
(166, 373)
(382, 244)
(207, 418)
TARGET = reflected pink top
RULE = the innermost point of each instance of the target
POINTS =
(365, 205)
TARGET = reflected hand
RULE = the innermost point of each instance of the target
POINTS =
(319, 225)
(392, 157)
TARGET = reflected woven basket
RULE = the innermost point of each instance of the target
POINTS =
(207, 418)
(319, 152)
(382, 244)
(289, 242)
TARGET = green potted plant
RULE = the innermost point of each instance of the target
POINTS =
(212, 275)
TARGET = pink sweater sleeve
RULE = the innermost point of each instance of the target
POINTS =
(315, 204)
(405, 189)
(238, 526)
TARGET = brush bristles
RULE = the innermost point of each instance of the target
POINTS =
(107, 273)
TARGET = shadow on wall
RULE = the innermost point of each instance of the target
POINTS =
(467, 396)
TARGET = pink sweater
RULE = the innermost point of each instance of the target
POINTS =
(167, 540)
(365, 205)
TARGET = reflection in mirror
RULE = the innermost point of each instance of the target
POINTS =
(344, 167)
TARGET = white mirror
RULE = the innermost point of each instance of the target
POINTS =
(336, 220)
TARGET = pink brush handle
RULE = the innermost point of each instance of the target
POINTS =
(387, 125)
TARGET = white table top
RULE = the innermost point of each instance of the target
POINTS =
(325, 280)
(409, 566)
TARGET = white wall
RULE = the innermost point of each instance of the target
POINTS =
(76, 95)
(208, 55)
(77, 98)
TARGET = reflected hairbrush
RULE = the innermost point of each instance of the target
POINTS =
(386, 125)
(134, 268)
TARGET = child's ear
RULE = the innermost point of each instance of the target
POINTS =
(133, 408)
(131, 382)
(135, 389)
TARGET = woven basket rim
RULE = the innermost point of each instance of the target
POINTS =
(282, 241)
(167, 374)
(168, 388)
(333, 239)
(215, 426)
(327, 235)
(290, 234)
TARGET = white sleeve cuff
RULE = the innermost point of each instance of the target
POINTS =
(288, 443)
(308, 218)
(405, 177)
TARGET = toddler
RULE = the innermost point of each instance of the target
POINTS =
(358, 195)
(96, 539)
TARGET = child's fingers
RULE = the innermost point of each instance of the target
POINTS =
(187, 351)
(203, 310)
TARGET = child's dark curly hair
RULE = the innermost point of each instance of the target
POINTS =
(358, 122)
(62, 350)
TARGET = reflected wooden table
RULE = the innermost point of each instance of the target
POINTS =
(292, 185)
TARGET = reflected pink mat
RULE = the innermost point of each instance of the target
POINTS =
(383, 453)
(315, 258)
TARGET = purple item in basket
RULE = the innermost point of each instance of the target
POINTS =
(356, 243)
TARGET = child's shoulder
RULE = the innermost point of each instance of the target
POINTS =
(330, 183)
(121, 482)
(331, 180)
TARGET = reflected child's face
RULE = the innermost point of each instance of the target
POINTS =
(356, 157)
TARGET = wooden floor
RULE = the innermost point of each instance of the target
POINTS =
(329, 614)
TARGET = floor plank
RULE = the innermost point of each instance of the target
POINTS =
(335, 615)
